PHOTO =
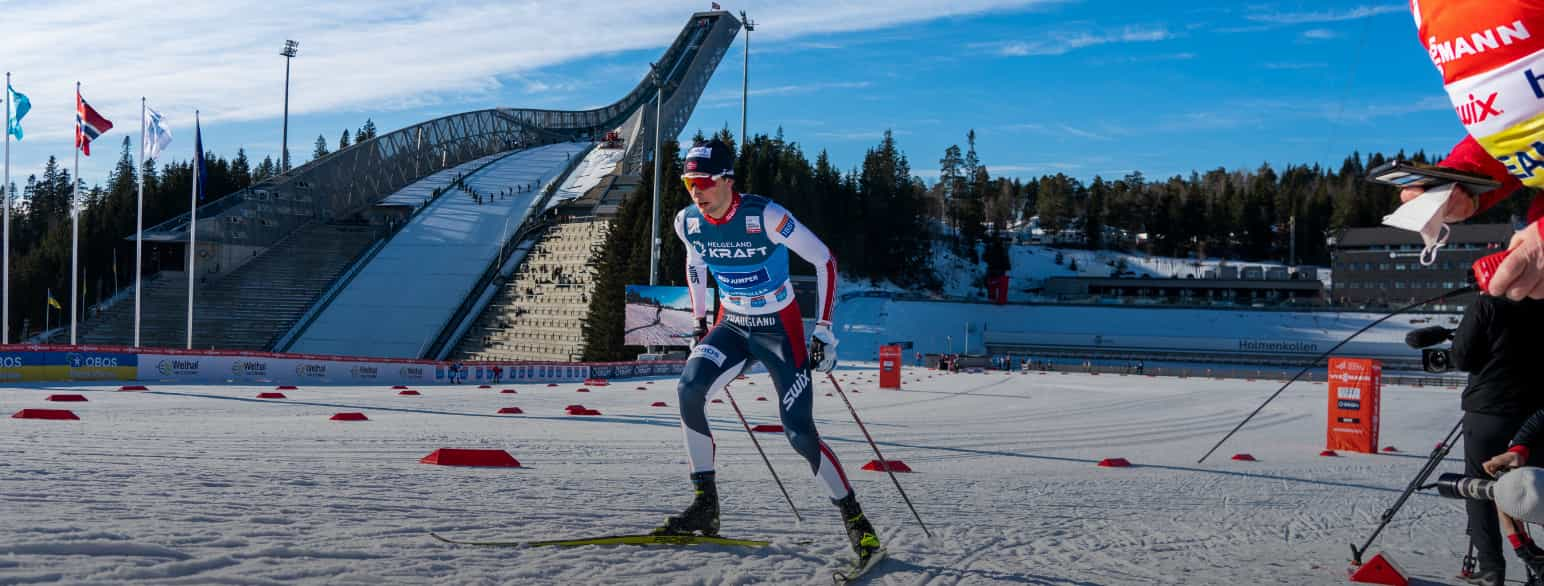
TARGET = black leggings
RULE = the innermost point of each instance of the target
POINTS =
(1485, 436)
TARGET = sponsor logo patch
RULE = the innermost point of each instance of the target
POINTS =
(1353, 393)
(742, 280)
(694, 226)
(709, 352)
(311, 370)
(785, 227)
(700, 152)
(798, 387)
(1349, 405)
(753, 224)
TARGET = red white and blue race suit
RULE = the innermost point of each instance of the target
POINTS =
(747, 251)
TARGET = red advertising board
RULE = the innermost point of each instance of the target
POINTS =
(1352, 423)
(889, 367)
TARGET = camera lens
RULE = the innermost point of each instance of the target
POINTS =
(1457, 486)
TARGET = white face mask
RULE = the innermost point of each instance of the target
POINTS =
(1424, 215)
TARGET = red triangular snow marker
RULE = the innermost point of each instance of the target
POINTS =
(894, 465)
(1381, 569)
(64, 398)
(133, 388)
(45, 414)
(1114, 463)
(271, 396)
(768, 428)
(459, 457)
(1329, 454)
(509, 392)
(1244, 458)
(659, 404)
(349, 417)
(510, 411)
(409, 393)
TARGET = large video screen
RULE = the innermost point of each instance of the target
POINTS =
(659, 316)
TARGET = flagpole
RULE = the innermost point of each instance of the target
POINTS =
(139, 218)
(5, 189)
(75, 222)
(198, 145)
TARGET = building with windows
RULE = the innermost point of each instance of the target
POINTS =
(1381, 267)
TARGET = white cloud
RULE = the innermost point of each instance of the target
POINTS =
(1288, 18)
(1063, 42)
(1318, 34)
(222, 57)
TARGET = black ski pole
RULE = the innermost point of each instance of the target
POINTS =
(882, 462)
(1417, 483)
(748, 431)
(1315, 361)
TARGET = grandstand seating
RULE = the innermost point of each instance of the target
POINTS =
(538, 314)
(247, 308)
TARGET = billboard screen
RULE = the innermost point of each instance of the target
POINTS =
(659, 316)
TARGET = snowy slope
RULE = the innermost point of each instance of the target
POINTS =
(204, 485)
(1031, 265)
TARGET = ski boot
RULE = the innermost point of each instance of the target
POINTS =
(701, 516)
(1531, 555)
(864, 541)
(1485, 577)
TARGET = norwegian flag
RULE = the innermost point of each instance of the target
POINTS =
(88, 124)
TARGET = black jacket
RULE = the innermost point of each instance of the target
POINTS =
(1500, 343)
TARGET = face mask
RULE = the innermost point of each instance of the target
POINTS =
(1424, 215)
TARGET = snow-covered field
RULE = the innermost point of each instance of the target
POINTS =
(207, 485)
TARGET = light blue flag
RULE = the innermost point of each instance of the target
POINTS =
(20, 105)
(156, 136)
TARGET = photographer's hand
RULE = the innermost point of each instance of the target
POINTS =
(1502, 462)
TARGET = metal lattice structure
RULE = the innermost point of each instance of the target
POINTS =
(351, 180)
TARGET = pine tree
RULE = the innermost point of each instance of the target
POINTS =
(265, 170)
(366, 132)
(321, 148)
(343, 141)
(241, 169)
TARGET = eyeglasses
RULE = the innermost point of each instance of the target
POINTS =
(700, 182)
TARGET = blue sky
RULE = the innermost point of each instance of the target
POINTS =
(1084, 88)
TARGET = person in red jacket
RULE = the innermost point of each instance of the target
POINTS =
(1485, 51)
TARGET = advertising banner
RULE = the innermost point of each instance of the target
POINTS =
(1352, 422)
(889, 367)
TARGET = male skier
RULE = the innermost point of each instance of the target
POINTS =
(744, 240)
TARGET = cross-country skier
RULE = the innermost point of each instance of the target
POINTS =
(744, 239)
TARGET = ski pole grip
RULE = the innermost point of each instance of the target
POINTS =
(1485, 268)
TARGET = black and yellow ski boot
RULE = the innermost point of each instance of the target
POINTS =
(701, 517)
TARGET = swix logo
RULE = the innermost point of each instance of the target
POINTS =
(1477, 110)
(693, 225)
(799, 385)
(1444, 51)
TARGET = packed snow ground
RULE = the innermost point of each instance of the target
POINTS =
(207, 485)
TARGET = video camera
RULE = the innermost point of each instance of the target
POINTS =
(1433, 360)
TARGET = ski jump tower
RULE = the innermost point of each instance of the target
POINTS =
(285, 212)
(343, 184)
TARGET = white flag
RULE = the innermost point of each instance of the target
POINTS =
(156, 137)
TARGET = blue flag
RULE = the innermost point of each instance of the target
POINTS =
(20, 105)
(198, 159)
